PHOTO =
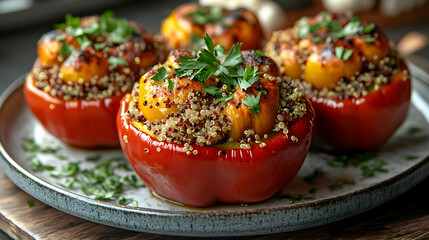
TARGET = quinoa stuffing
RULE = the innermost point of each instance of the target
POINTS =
(243, 99)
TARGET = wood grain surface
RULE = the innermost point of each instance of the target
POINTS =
(406, 217)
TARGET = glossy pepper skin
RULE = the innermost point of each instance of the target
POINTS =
(230, 175)
(81, 123)
(362, 123)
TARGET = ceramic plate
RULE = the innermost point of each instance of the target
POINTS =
(323, 192)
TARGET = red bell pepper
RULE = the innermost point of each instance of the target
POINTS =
(80, 122)
(231, 175)
(362, 123)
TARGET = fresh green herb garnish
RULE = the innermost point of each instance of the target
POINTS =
(411, 157)
(369, 40)
(70, 182)
(70, 21)
(121, 31)
(353, 159)
(317, 173)
(160, 75)
(115, 29)
(211, 61)
(84, 41)
(112, 184)
(253, 103)
(99, 181)
(93, 158)
(317, 40)
(369, 28)
(376, 166)
(250, 76)
(60, 157)
(213, 90)
(224, 99)
(65, 49)
(134, 181)
(124, 166)
(30, 145)
(412, 130)
(205, 15)
(336, 31)
(37, 165)
(259, 53)
(66, 170)
(115, 62)
(30, 203)
(125, 201)
(170, 84)
(342, 53)
(99, 46)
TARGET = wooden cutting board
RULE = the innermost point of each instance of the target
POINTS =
(405, 217)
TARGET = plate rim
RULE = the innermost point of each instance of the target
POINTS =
(9, 162)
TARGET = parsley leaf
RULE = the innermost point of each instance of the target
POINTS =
(121, 32)
(65, 49)
(205, 15)
(336, 30)
(376, 166)
(250, 76)
(170, 84)
(317, 173)
(134, 181)
(224, 99)
(115, 61)
(234, 56)
(213, 90)
(30, 145)
(369, 28)
(66, 170)
(160, 75)
(112, 184)
(412, 130)
(259, 53)
(369, 40)
(342, 53)
(93, 158)
(253, 103)
(36, 165)
(125, 201)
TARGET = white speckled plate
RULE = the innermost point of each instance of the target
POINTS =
(310, 200)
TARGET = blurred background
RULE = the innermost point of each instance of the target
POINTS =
(22, 22)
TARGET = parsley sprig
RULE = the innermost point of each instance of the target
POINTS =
(100, 180)
(336, 31)
(212, 61)
(343, 53)
(203, 15)
(116, 29)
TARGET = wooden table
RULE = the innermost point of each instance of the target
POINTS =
(406, 217)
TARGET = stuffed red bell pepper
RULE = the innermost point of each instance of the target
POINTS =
(216, 127)
(83, 69)
(184, 27)
(358, 84)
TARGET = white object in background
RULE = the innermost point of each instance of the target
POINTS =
(269, 13)
(396, 7)
(338, 6)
